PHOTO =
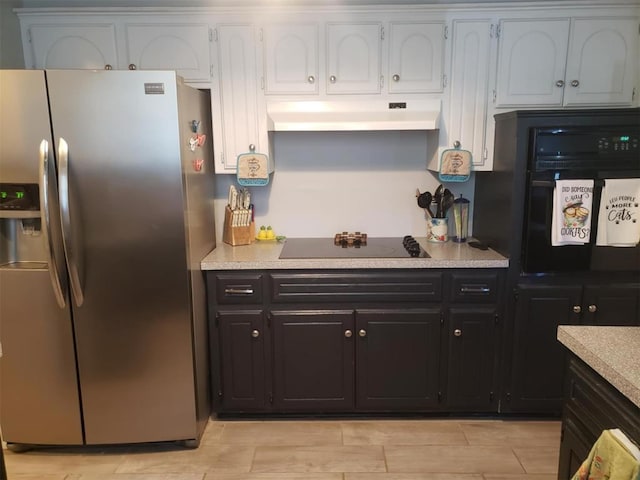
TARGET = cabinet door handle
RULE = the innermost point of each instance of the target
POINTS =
(362, 333)
(560, 83)
(255, 333)
(457, 332)
(577, 309)
(593, 308)
(396, 78)
(348, 333)
(575, 83)
(238, 291)
(311, 79)
(475, 290)
(108, 67)
(332, 79)
(132, 66)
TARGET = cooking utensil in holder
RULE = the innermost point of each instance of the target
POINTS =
(238, 230)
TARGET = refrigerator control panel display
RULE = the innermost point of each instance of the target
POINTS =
(19, 196)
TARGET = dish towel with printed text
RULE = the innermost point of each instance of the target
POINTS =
(619, 214)
(571, 216)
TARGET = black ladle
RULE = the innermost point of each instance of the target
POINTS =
(424, 201)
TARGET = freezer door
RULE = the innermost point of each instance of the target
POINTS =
(126, 231)
(39, 399)
(40, 403)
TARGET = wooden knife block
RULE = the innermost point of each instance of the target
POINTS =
(238, 235)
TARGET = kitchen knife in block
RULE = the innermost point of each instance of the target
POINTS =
(237, 235)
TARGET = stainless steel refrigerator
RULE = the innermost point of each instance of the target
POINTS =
(106, 209)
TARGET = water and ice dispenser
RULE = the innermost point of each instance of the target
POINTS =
(21, 242)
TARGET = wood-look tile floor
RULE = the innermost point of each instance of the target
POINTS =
(424, 449)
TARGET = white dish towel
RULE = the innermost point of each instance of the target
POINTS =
(619, 214)
(571, 216)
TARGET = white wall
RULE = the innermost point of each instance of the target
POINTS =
(329, 182)
(10, 41)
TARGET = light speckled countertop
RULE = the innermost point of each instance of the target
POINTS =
(264, 255)
(613, 352)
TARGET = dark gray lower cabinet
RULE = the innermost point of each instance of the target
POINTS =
(397, 358)
(537, 375)
(617, 304)
(313, 360)
(240, 343)
(472, 366)
(591, 405)
(535, 381)
(354, 341)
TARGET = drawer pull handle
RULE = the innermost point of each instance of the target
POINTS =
(577, 309)
(457, 332)
(255, 333)
(238, 291)
(593, 308)
(362, 333)
(348, 333)
(475, 290)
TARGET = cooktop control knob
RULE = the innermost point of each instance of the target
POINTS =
(411, 245)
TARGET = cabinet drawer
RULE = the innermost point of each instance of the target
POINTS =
(477, 288)
(370, 287)
(238, 289)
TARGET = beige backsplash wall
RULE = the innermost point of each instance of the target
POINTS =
(328, 182)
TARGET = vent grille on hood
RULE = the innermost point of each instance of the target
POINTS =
(323, 116)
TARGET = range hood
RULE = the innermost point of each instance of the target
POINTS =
(357, 115)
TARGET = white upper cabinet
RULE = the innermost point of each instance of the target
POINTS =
(531, 63)
(109, 42)
(602, 61)
(416, 57)
(90, 45)
(469, 94)
(290, 55)
(556, 62)
(182, 47)
(353, 57)
(235, 104)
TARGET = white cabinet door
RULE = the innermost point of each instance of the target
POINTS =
(180, 47)
(470, 88)
(416, 56)
(235, 105)
(290, 58)
(531, 62)
(602, 62)
(353, 57)
(62, 46)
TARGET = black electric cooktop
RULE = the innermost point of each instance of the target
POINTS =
(381, 247)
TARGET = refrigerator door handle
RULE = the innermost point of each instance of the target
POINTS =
(69, 241)
(45, 215)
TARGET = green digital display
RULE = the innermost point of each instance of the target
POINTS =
(624, 138)
(15, 194)
(19, 196)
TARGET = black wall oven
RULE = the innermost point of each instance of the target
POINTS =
(585, 152)
(534, 149)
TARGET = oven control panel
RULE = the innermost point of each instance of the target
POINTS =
(618, 143)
